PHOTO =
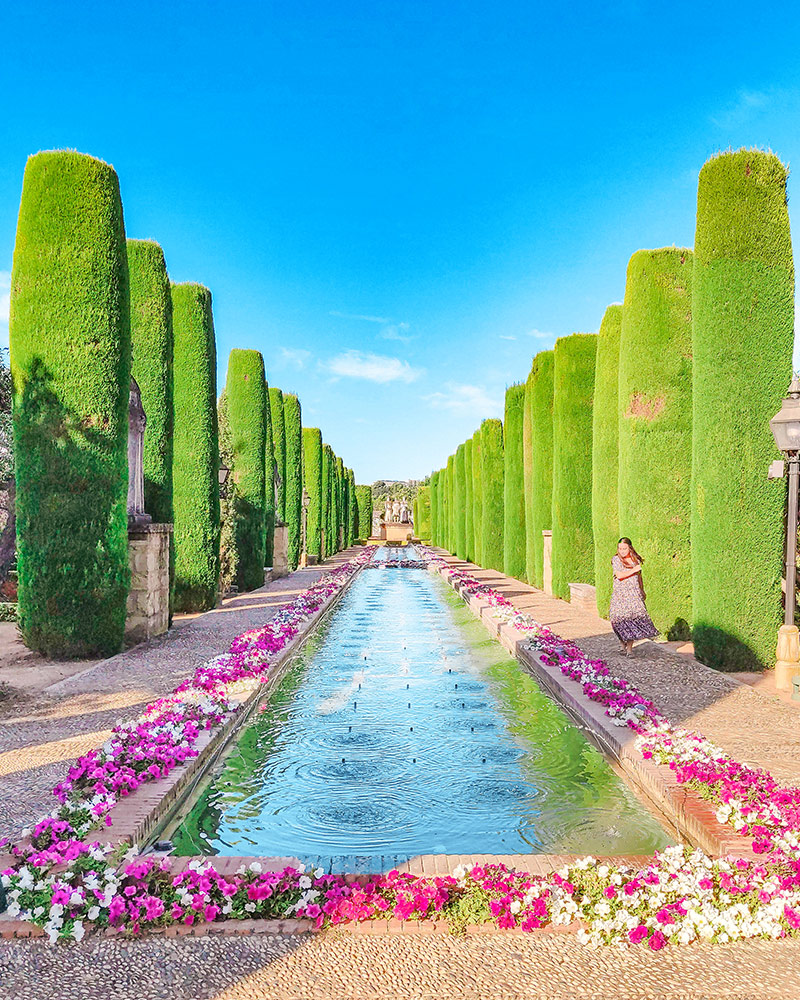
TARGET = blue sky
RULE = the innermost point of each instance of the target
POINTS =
(399, 204)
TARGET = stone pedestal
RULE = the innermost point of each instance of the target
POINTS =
(148, 597)
(583, 595)
(547, 539)
(280, 551)
(394, 531)
(788, 657)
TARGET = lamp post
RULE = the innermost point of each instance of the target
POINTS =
(304, 528)
(222, 474)
(785, 427)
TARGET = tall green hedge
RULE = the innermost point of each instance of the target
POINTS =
(312, 478)
(492, 480)
(293, 494)
(451, 504)
(573, 546)
(469, 486)
(228, 550)
(328, 468)
(605, 447)
(527, 475)
(655, 430)
(540, 389)
(246, 397)
(514, 489)
(269, 481)
(353, 500)
(477, 497)
(743, 290)
(340, 500)
(423, 525)
(70, 341)
(151, 366)
(435, 508)
(278, 449)
(460, 487)
(364, 500)
(195, 479)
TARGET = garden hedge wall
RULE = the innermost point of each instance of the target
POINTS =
(527, 475)
(312, 479)
(435, 508)
(469, 503)
(460, 485)
(514, 484)
(655, 431)
(340, 504)
(605, 447)
(423, 525)
(70, 340)
(477, 497)
(293, 495)
(269, 481)
(364, 499)
(195, 479)
(492, 481)
(245, 397)
(451, 504)
(540, 388)
(573, 380)
(277, 420)
(742, 337)
(352, 502)
(328, 469)
(228, 551)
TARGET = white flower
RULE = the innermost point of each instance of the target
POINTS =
(255, 866)
(78, 931)
(93, 913)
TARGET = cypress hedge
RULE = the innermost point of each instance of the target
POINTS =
(228, 551)
(340, 502)
(195, 480)
(435, 508)
(469, 485)
(351, 493)
(655, 430)
(527, 475)
(269, 481)
(327, 498)
(573, 380)
(460, 486)
(278, 450)
(492, 480)
(605, 445)
(312, 478)
(245, 396)
(70, 339)
(514, 484)
(293, 494)
(364, 500)
(151, 366)
(477, 497)
(742, 337)
(451, 504)
(541, 509)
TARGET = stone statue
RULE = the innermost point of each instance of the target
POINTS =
(137, 421)
(404, 513)
(396, 511)
(387, 511)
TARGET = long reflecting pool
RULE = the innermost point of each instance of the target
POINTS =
(403, 729)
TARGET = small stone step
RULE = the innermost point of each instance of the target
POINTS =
(583, 595)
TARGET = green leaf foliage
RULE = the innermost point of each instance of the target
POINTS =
(293, 493)
(71, 364)
(514, 484)
(364, 499)
(340, 498)
(278, 450)
(539, 518)
(742, 336)
(312, 477)
(269, 481)
(477, 498)
(573, 379)
(605, 449)
(469, 503)
(422, 523)
(195, 470)
(492, 480)
(435, 508)
(228, 552)
(245, 392)
(460, 499)
(655, 432)
(352, 533)
(451, 504)
(328, 471)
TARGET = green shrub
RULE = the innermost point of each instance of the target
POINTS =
(514, 484)
(435, 508)
(312, 477)
(245, 395)
(423, 524)
(469, 486)
(293, 494)
(340, 504)
(269, 481)
(460, 500)
(573, 380)
(742, 295)
(527, 475)
(364, 498)
(451, 504)
(655, 430)
(278, 449)
(328, 470)
(195, 470)
(605, 447)
(228, 552)
(492, 482)
(477, 498)
(71, 363)
(540, 389)
(353, 501)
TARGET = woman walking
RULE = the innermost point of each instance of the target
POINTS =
(628, 613)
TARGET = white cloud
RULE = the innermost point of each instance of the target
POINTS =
(366, 319)
(506, 336)
(392, 329)
(373, 367)
(745, 106)
(5, 296)
(540, 334)
(461, 398)
(397, 331)
(295, 356)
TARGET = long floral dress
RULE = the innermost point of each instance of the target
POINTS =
(627, 613)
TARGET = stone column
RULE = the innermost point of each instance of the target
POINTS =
(148, 597)
(547, 540)
(280, 551)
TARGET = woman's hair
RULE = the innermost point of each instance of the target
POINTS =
(634, 553)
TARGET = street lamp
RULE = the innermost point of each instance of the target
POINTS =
(785, 427)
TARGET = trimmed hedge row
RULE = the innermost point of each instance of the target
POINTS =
(469, 503)
(312, 478)
(293, 493)
(492, 480)
(70, 339)
(460, 499)
(435, 508)
(364, 500)
(514, 484)
(328, 468)
(422, 525)
(477, 497)
(278, 450)
(540, 390)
